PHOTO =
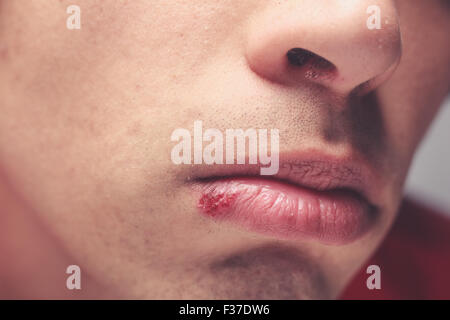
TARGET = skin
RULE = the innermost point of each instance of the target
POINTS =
(86, 119)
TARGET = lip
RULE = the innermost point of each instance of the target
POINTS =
(317, 197)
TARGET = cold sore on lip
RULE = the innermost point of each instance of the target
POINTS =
(286, 211)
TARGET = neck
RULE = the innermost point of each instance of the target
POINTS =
(33, 264)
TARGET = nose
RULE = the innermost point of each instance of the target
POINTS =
(348, 46)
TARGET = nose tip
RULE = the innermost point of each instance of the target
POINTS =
(328, 43)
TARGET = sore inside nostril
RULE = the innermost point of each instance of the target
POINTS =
(299, 57)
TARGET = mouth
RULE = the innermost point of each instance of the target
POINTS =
(328, 199)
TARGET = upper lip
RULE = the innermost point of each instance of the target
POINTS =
(315, 171)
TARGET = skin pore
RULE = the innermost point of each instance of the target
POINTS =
(86, 118)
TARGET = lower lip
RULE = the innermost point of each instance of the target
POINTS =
(285, 211)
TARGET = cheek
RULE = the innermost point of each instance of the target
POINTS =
(411, 98)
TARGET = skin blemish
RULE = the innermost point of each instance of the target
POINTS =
(3, 52)
(212, 203)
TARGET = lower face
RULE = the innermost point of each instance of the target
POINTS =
(87, 118)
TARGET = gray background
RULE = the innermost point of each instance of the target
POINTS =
(429, 178)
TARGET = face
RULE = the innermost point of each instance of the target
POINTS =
(87, 118)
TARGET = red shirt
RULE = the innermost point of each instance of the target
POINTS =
(414, 258)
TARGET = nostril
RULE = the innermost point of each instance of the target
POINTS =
(298, 57)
